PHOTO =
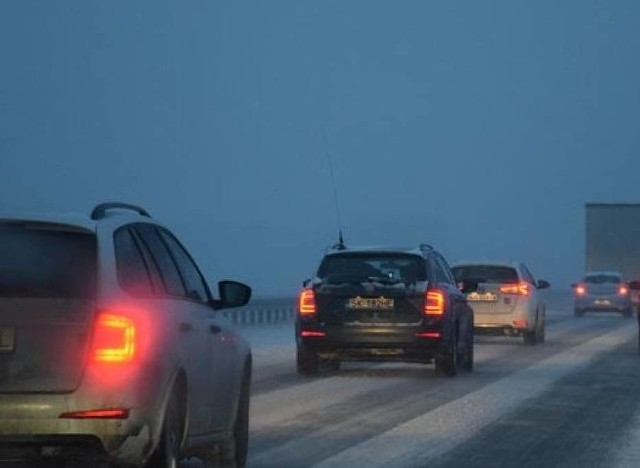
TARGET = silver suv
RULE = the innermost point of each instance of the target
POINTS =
(505, 299)
(112, 346)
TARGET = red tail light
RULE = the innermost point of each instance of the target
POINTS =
(521, 288)
(114, 338)
(307, 303)
(434, 302)
(521, 323)
(581, 290)
(429, 335)
(623, 290)
(97, 414)
(312, 334)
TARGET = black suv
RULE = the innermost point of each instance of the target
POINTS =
(383, 304)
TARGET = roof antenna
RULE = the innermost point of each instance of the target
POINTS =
(340, 245)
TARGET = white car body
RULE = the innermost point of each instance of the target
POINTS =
(505, 298)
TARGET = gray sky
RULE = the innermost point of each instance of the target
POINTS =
(481, 127)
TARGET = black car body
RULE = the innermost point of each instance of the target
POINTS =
(383, 304)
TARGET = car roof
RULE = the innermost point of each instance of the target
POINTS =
(597, 273)
(376, 249)
(490, 263)
(73, 220)
(76, 220)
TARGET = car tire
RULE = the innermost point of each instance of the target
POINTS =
(447, 362)
(530, 338)
(331, 364)
(466, 363)
(167, 453)
(541, 329)
(628, 313)
(234, 451)
(578, 312)
(307, 361)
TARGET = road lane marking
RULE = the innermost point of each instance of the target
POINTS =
(432, 434)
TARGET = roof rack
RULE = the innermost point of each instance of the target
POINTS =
(100, 211)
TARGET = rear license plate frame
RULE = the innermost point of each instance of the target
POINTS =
(482, 297)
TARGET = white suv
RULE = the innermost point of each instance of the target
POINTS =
(505, 299)
(112, 346)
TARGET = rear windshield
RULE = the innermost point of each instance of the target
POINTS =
(357, 268)
(39, 261)
(485, 274)
(602, 279)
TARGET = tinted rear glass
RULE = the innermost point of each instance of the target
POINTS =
(370, 267)
(602, 279)
(39, 261)
(485, 274)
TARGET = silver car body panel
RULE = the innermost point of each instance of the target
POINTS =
(67, 380)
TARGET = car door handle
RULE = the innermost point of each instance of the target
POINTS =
(214, 329)
(186, 327)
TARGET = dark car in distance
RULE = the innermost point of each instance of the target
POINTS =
(383, 304)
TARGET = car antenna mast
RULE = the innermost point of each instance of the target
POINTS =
(340, 245)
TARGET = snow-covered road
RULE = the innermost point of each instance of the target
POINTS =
(569, 402)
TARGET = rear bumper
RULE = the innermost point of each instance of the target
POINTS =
(86, 441)
(31, 423)
(604, 303)
(350, 343)
(498, 330)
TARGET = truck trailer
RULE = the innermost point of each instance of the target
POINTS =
(613, 242)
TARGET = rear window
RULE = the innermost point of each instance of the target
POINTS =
(485, 274)
(602, 279)
(359, 268)
(38, 260)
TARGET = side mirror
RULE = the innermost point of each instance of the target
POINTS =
(574, 285)
(233, 294)
(306, 283)
(635, 285)
(542, 284)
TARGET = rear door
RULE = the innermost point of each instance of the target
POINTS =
(187, 321)
(47, 299)
(370, 289)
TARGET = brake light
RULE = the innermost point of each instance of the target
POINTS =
(623, 290)
(312, 334)
(434, 302)
(97, 414)
(429, 335)
(114, 338)
(521, 323)
(521, 288)
(581, 290)
(307, 303)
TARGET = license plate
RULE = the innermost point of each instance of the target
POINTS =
(602, 302)
(369, 303)
(7, 339)
(482, 297)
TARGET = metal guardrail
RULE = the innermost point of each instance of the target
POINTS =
(262, 311)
